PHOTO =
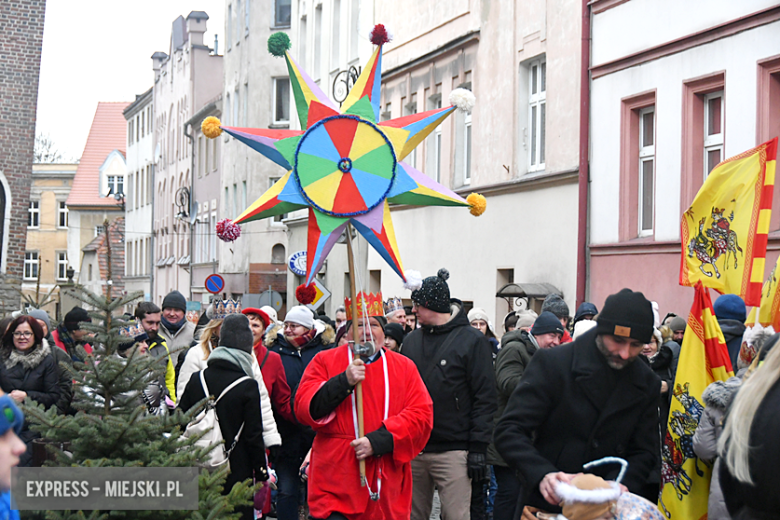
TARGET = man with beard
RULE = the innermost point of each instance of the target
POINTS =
(177, 331)
(149, 316)
(583, 401)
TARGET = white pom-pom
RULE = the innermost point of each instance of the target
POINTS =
(413, 280)
(463, 98)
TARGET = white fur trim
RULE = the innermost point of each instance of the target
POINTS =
(572, 494)
(413, 280)
(463, 98)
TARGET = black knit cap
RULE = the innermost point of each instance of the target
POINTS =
(174, 300)
(434, 293)
(74, 317)
(627, 314)
(546, 323)
(235, 333)
(395, 331)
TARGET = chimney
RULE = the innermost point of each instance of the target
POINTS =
(196, 26)
(157, 60)
(216, 46)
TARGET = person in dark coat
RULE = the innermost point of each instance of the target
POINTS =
(583, 401)
(69, 335)
(60, 356)
(28, 370)
(455, 362)
(297, 341)
(731, 314)
(748, 447)
(513, 358)
(230, 361)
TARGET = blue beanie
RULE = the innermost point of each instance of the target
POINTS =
(730, 307)
(10, 415)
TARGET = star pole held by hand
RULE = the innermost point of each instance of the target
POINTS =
(346, 167)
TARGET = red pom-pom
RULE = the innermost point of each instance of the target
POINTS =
(379, 35)
(305, 293)
(228, 231)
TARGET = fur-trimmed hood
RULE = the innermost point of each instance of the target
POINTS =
(30, 360)
(720, 393)
(324, 331)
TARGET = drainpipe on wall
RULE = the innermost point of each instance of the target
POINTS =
(192, 196)
(582, 232)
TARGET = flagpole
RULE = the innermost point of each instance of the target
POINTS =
(353, 304)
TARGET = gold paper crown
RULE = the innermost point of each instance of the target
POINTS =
(373, 305)
(392, 305)
(224, 307)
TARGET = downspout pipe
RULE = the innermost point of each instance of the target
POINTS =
(582, 231)
(192, 195)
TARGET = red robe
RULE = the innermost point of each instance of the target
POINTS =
(334, 476)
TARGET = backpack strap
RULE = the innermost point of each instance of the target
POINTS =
(204, 385)
(231, 385)
(267, 351)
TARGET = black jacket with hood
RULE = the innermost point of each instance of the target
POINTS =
(456, 364)
(733, 331)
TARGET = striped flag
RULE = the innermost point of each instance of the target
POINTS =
(724, 232)
(769, 312)
(704, 359)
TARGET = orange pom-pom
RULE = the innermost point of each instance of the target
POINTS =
(478, 204)
(305, 293)
(211, 127)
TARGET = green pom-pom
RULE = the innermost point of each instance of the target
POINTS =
(278, 44)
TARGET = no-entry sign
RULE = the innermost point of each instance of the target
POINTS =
(214, 283)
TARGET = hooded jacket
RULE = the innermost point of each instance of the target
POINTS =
(717, 398)
(733, 331)
(296, 438)
(456, 365)
(512, 360)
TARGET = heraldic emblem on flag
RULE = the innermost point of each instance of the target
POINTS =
(704, 358)
(724, 232)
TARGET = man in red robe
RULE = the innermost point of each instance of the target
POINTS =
(398, 416)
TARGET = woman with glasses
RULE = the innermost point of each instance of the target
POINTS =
(28, 371)
(297, 341)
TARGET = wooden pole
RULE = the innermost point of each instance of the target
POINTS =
(355, 321)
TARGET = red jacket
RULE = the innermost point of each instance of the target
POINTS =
(275, 380)
(55, 335)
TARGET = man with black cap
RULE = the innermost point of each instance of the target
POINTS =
(174, 326)
(517, 348)
(69, 334)
(556, 305)
(455, 362)
(584, 401)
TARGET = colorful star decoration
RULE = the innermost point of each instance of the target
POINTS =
(346, 166)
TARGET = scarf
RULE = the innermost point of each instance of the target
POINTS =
(302, 340)
(241, 359)
(68, 342)
(173, 328)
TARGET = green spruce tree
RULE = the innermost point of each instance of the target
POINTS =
(111, 427)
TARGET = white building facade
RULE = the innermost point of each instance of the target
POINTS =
(139, 253)
(187, 77)
(695, 83)
(256, 94)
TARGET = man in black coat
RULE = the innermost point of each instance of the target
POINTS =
(731, 314)
(583, 401)
(455, 362)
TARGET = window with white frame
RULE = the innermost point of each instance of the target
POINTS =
(467, 150)
(646, 170)
(713, 130)
(62, 265)
(246, 17)
(236, 107)
(282, 13)
(238, 21)
(116, 184)
(277, 218)
(227, 110)
(213, 238)
(281, 101)
(34, 214)
(99, 230)
(130, 192)
(30, 265)
(537, 105)
(243, 195)
(62, 214)
(245, 106)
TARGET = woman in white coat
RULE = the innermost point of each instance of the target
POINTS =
(195, 361)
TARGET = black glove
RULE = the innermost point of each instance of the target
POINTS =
(273, 454)
(477, 466)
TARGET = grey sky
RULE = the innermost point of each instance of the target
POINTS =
(100, 50)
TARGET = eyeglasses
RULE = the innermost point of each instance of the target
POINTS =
(292, 326)
(25, 334)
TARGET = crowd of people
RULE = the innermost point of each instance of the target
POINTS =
(370, 416)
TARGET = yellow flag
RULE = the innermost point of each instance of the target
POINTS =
(704, 359)
(724, 232)
(769, 312)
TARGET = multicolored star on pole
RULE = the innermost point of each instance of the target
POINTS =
(346, 166)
